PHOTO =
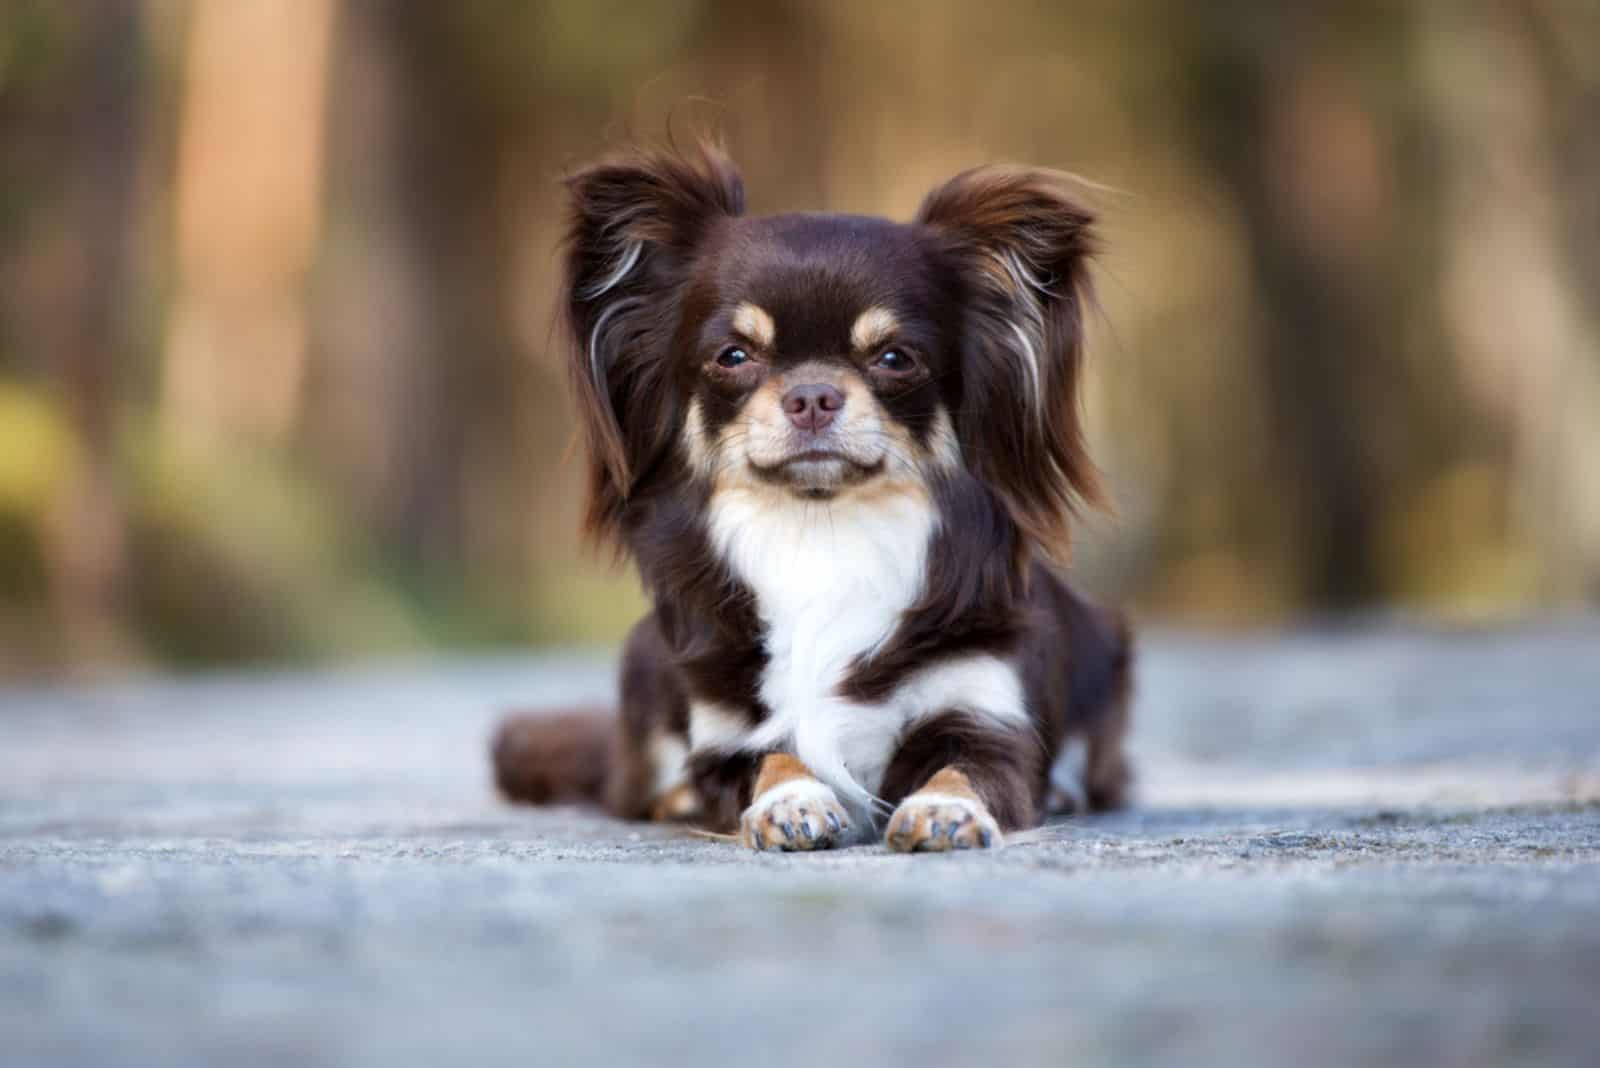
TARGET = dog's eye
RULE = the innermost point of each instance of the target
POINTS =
(895, 360)
(733, 356)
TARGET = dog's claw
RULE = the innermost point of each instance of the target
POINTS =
(812, 820)
(937, 824)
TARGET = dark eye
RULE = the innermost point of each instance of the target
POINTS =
(732, 357)
(896, 360)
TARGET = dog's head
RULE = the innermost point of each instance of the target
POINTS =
(824, 356)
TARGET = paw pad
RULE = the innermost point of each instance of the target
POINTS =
(794, 816)
(937, 824)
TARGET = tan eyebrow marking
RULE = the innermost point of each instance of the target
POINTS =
(873, 327)
(942, 441)
(754, 323)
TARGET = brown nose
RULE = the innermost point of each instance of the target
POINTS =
(812, 407)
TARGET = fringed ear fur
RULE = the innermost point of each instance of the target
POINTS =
(1022, 241)
(634, 222)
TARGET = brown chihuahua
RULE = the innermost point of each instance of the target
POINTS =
(843, 452)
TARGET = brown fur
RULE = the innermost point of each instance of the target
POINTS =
(552, 759)
(664, 203)
(997, 218)
(986, 290)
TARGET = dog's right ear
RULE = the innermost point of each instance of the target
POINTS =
(634, 224)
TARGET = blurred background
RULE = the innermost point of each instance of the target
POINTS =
(279, 380)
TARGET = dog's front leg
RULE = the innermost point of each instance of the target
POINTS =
(792, 809)
(959, 781)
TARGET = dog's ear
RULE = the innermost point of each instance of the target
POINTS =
(1021, 241)
(634, 224)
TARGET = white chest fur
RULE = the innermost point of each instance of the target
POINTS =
(831, 583)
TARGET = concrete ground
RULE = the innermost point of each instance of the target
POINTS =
(1376, 846)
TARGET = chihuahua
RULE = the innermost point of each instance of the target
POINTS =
(844, 453)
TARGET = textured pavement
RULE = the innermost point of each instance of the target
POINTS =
(1370, 846)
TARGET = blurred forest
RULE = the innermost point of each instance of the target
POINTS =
(278, 376)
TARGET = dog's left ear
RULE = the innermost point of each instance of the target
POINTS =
(1021, 242)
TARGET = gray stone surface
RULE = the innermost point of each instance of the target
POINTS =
(1376, 846)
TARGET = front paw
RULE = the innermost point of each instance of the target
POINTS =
(935, 823)
(799, 814)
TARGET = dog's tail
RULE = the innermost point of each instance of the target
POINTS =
(557, 758)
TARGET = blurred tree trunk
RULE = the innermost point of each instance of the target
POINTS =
(380, 408)
(1561, 39)
(87, 525)
(248, 210)
(1301, 111)
(415, 334)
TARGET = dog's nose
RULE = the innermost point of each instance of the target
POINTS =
(812, 407)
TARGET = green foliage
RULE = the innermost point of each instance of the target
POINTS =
(1345, 355)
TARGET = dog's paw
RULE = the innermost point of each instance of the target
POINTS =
(680, 804)
(935, 823)
(795, 815)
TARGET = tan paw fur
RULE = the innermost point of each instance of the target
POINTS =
(800, 814)
(679, 804)
(936, 823)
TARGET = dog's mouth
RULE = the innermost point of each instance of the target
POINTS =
(818, 473)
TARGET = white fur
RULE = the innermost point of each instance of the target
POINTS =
(982, 685)
(795, 790)
(943, 443)
(831, 583)
(625, 263)
(715, 726)
(1071, 769)
(627, 251)
(626, 260)
(669, 759)
(1030, 332)
(1029, 352)
(596, 364)
(694, 435)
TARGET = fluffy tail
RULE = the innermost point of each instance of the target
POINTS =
(554, 759)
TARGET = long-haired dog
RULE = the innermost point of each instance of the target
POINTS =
(843, 453)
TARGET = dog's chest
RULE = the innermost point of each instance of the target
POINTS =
(831, 584)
